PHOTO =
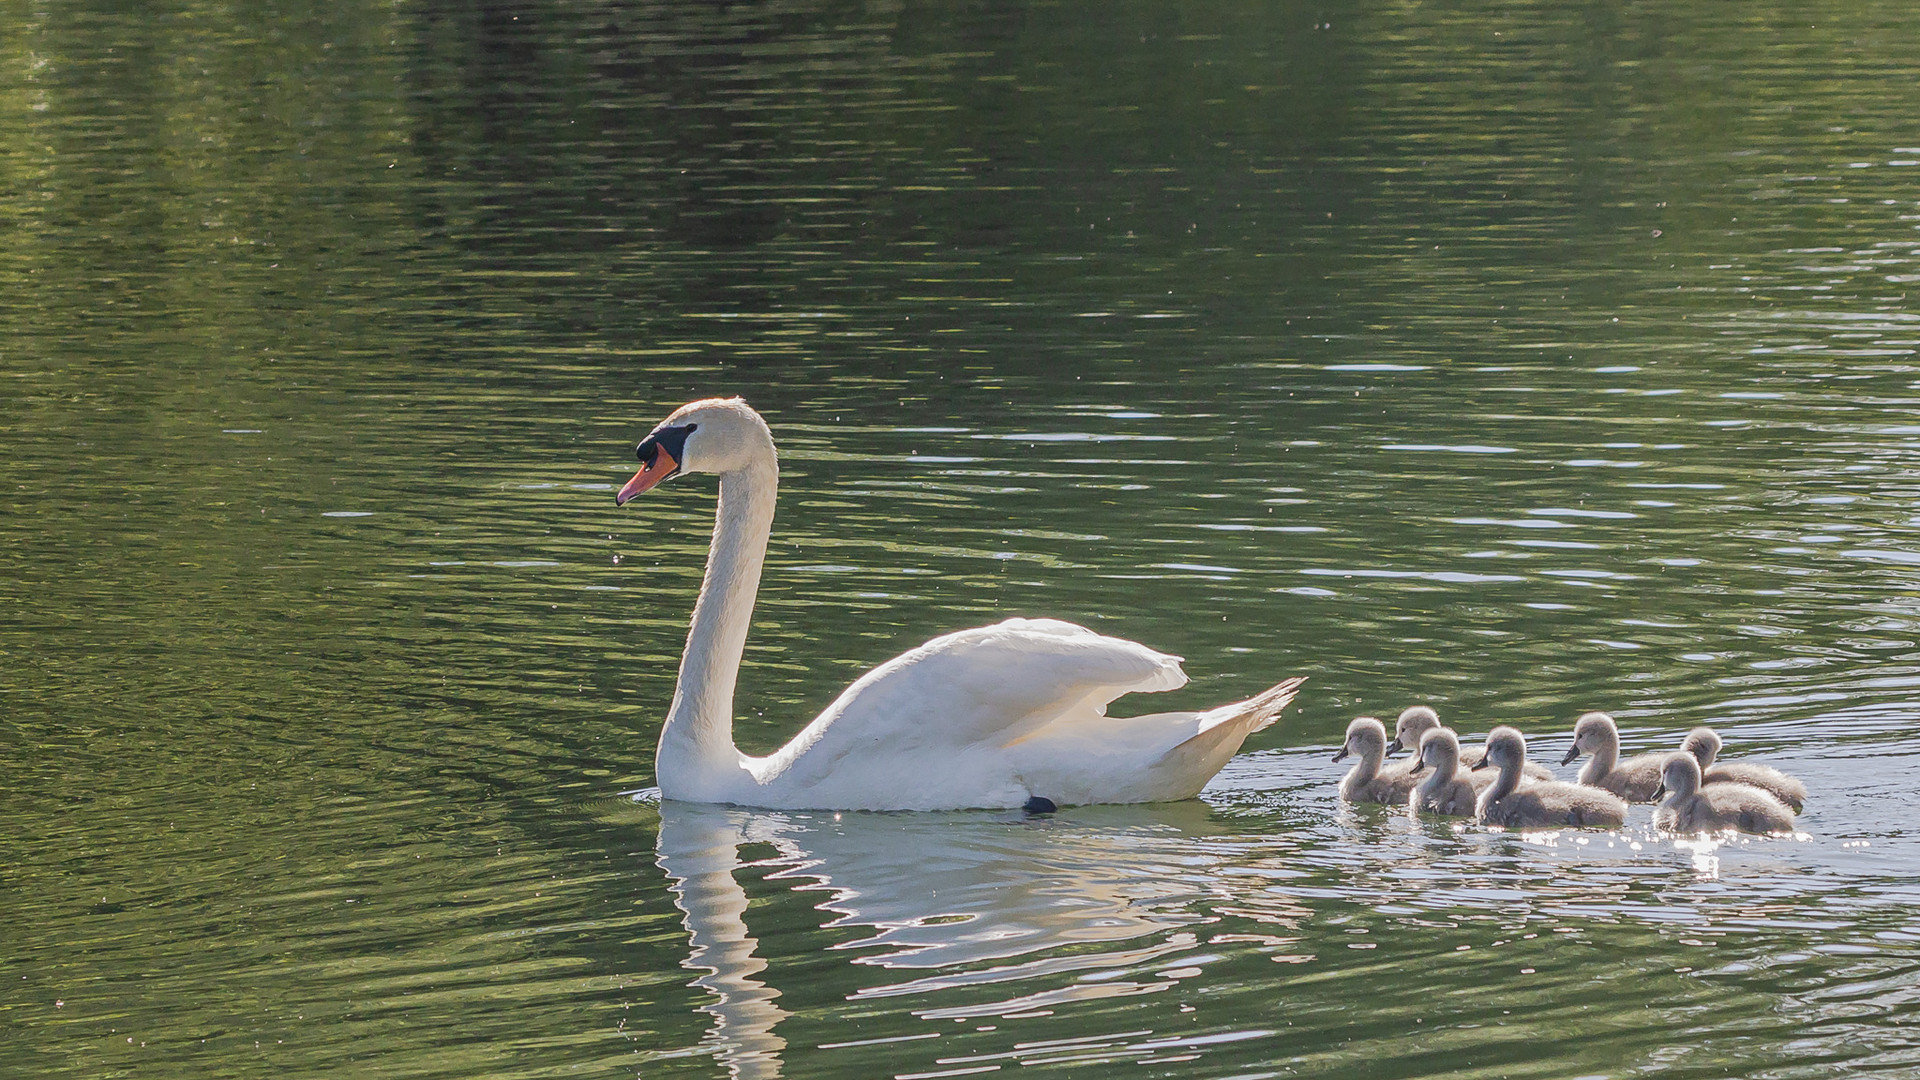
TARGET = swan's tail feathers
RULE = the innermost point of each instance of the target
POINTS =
(1259, 710)
(1190, 764)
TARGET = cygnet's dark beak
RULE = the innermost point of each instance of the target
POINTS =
(1342, 755)
(1419, 767)
(1572, 752)
(1481, 764)
(1395, 746)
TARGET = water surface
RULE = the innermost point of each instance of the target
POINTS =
(1522, 360)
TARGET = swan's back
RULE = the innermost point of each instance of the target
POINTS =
(994, 682)
(972, 699)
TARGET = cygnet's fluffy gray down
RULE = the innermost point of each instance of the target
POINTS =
(1693, 807)
(1368, 781)
(1542, 803)
(1414, 723)
(1445, 789)
(1635, 779)
(1704, 744)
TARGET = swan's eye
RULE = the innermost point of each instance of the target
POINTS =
(671, 439)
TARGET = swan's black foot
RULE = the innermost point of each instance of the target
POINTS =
(1038, 805)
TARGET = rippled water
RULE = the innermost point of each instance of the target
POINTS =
(1520, 359)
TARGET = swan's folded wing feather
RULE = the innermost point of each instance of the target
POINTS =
(990, 684)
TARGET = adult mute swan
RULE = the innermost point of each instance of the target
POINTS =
(1007, 715)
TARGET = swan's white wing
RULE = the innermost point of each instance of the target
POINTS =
(992, 685)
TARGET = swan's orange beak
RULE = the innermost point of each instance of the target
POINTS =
(661, 467)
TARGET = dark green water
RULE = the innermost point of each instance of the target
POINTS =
(1523, 359)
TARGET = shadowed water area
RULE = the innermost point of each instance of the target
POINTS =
(1519, 358)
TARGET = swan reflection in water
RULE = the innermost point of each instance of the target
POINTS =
(956, 896)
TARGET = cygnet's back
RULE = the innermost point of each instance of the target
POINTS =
(1635, 779)
(1704, 744)
(1367, 781)
(1693, 807)
(1542, 803)
(1445, 789)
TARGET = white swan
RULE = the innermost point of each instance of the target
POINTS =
(1007, 715)
(1692, 807)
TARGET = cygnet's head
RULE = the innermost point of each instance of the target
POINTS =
(1591, 732)
(1704, 744)
(1439, 749)
(1414, 723)
(1679, 777)
(1506, 749)
(1366, 736)
(714, 435)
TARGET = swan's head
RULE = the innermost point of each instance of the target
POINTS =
(1440, 750)
(715, 435)
(1679, 777)
(1414, 723)
(1506, 749)
(1593, 732)
(1704, 744)
(1367, 737)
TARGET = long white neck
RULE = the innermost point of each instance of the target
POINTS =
(697, 755)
